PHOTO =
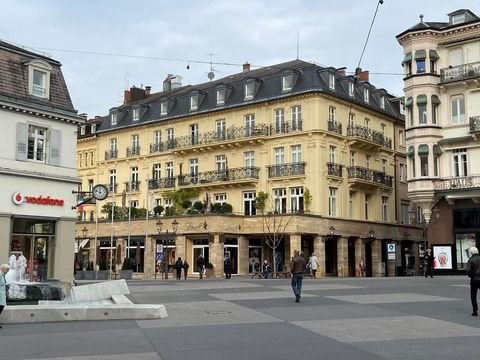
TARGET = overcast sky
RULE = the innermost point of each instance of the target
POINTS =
(331, 32)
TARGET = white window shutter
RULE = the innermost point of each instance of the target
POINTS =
(55, 138)
(22, 142)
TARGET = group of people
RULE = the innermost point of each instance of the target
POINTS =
(179, 266)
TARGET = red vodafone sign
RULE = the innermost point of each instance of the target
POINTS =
(18, 199)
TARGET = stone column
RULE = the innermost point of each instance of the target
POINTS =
(342, 256)
(149, 258)
(180, 246)
(359, 253)
(63, 250)
(5, 229)
(319, 251)
(376, 257)
(216, 255)
(242, 255)
(295, 244)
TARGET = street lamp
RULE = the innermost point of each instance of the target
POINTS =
(371, 234)
(167, 239)
(423, 223)
(331, 231)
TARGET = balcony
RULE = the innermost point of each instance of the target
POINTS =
(111, 154)
(219, 176)
(368, 136)
(156, 147)
(292, 169)
(132, 186)
(475, 124)
(112, 188)
(460, 72)
(335, 126)
(161, 183)
(457, 183)
(334, 169)
(133, 151)
(369, 176)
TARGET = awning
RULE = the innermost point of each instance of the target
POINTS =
(432, 54)
(411, 151)
(437, 150)
(420, 55)
(435, 100)
(409, 102)
(421, 99)
(407, 58)
(423, 150)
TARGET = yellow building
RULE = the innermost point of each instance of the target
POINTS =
(324, 146)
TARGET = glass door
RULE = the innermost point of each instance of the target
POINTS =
(197, 251)
(38, 262)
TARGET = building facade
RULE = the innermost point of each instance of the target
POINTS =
(442, 71)
(324, 146)
(37, 167)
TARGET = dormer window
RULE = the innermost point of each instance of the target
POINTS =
(249, 90)
(382, 101)
(351, 88)
(82, 130)
(193, 102)
(93, 128)
(163, 108)
(287, 82)
(136, 114)
(366, 95)
(331, 81)
(221, 96)
(458, 19)
(39, 78)
(113, 118)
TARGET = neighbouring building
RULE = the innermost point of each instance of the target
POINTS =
(442, 73)
(328, 149)
(37, 166)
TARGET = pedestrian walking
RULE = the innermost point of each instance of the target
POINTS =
(313, 264)
(186, 265)
(179, 267)
(3, 288)
(227, 264)
(266, 269)
(429, 260)
(473, 272)
(297, 267)
(200, 265)
(362, 266)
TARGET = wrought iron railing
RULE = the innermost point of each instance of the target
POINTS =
(460, 72)
(112, 188)
(365, 133)
(215, 176)
(161, 183)
(335, 126)
(111, 154)
(475, 123)
(334, 169)
(457, 183)
(133, 150)
(132, 186)
(379, 177)
(290, 169)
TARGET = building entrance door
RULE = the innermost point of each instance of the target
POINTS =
(197, 251)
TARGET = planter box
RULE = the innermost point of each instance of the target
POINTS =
(80, 275)
(126, 274)
(89, 275)
(102, 274)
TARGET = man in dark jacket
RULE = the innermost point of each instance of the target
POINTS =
(297, 267)
(200, 265)
(473, 272)
(429, 263)
(228, 267)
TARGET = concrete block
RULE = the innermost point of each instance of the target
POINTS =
(120, 299)
(99, 291)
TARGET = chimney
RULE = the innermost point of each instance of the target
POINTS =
(136, 94)
(362, 75)
(167, 84)
(148, 89)
(127, 97)
(341, 71)
(175, 82)
(246, 67)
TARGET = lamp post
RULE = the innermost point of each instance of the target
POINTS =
(371, 234)
(423, 223)
(331, 230)
(167, 239)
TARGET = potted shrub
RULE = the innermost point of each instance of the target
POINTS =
(90, 273)
(126, 272)
(210, 270)
(102, 273)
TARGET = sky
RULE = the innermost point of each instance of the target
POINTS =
(159, 37)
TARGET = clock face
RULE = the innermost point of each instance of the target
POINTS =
(100, 192)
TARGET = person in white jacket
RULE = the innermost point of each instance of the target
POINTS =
(313, 264)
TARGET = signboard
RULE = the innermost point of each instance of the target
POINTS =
(391, 256)
(443, 257)
(391, 248)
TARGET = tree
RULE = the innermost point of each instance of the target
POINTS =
(107, 210)
(181, 200)
(274, 223)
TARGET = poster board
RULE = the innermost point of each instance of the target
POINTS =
(443, 257)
